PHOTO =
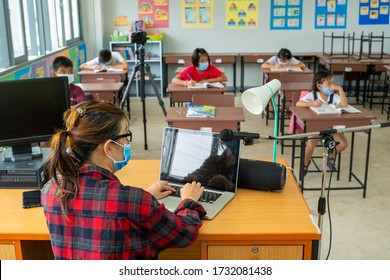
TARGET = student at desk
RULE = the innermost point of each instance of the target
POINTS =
(90, 213)
(324, 92)
(106, 59)
(201, 71)
(283, 59)
(63, 66)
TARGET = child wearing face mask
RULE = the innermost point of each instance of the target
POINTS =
(324, 91)
(201, 71)
(283, 59)
(63, 66)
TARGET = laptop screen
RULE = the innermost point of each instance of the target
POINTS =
(193, 155)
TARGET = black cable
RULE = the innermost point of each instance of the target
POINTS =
(328, 207)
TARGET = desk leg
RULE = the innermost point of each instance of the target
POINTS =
(302, 164)
(367, 161)
(242, 74)
(351, 157)
(234, 78)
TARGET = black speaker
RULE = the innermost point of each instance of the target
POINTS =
(261, 175)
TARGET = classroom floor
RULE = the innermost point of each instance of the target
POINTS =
(359, 226)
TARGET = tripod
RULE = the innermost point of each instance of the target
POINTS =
(141, 67)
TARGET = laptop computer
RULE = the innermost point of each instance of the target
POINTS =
(193, 155)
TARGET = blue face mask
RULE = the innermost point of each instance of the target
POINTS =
(203, 66)
(118, 165)
(326, 90)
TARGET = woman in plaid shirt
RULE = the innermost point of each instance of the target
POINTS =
(89, 213)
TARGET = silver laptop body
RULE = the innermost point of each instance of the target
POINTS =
(193, 155)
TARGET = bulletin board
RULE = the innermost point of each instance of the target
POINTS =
(197, 13)
(373, 12)
(331, 14)
(286, 14)
(242, 14)
(154, 13)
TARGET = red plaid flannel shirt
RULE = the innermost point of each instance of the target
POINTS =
(107, 220)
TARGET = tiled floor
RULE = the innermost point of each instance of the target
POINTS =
(360, 226)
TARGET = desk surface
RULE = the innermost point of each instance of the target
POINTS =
(315, 122)
(91, 73)
(221, 114)
(270, 217)
(292, 86)
(269, 71)
(100, 87)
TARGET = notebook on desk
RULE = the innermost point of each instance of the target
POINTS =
(193, 155)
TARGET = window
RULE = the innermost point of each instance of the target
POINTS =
(34, 28)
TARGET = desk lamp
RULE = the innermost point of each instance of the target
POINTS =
(256, 99)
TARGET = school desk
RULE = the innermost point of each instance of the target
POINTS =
(260, 58)
(179, 94)
(225, 117)
(272, 225)
(90, 75)
(312, 122)
(184, 59)
(105, 91)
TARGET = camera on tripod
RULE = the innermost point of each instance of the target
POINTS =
(138, 37)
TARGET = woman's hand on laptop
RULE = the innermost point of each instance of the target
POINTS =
(160, 189)
(192, 191)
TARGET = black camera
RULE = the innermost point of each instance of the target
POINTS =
(138, 37)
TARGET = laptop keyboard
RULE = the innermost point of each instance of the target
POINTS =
(206, 196)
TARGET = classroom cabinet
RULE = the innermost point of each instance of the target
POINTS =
(153, 59)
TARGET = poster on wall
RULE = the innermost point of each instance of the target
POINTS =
(242, 14)
(331, 14)
(374, 12)
(197, 13)
(154, 13)
(286, 14)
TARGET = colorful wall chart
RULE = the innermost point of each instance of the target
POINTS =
(154, 13)
(197, 13)
(286, 14)
(42, 68)
(242, 13)
(331, 14)
(374, 12)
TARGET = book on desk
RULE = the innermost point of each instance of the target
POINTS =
(108, 70)
(286, 69)
(200, 111)
(333, 109)
(207, 85)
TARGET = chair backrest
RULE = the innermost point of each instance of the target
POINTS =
(296, 77)
(295, 99)
(98, 80)
(219, 100)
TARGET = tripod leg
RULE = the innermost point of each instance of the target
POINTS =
(158, 95)
(126, 94)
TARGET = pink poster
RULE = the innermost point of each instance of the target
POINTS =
(154, 13)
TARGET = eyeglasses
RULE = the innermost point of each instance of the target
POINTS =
(128, 135)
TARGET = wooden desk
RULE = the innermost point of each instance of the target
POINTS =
(184, 59)
(117, 76)
(260, 58)
(180, 69)
(182, 94)
(105, 91)
(312, 122)
(272, 225)
(225, 117)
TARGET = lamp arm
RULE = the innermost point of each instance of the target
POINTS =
(276, 126)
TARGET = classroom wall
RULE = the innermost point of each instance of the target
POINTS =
(219, 39)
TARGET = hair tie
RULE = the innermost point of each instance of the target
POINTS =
(81, 111)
